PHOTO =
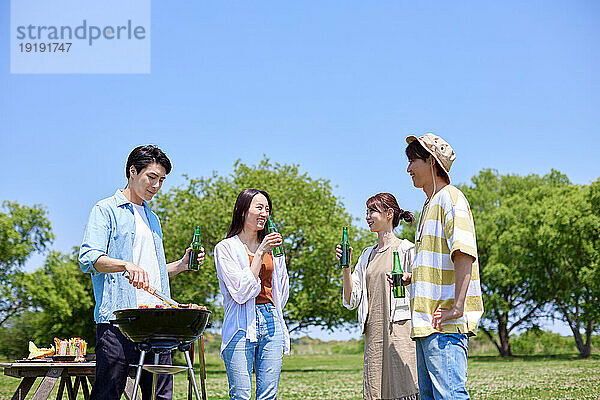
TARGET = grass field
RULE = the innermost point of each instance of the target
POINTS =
(338, 376)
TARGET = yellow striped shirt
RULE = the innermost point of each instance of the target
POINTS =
(445, 226)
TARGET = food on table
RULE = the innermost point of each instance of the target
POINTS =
(71, 347)
(35, 352)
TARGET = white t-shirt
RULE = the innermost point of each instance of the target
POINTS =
(144, 256)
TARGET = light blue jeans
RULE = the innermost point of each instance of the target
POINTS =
(266, 355)
(442, 366)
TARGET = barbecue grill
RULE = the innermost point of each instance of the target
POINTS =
(161, 330)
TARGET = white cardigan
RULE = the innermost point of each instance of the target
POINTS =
(400, 308)
(239, 288)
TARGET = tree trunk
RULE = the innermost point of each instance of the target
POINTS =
(489, 335)
(503, 334)
(585, 349)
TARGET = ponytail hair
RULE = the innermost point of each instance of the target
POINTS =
(385, 201)
(407, 216)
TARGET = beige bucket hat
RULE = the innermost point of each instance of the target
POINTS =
(438, 147)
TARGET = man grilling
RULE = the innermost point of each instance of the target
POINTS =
(124, 234)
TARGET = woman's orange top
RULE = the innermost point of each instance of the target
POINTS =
(266, 273)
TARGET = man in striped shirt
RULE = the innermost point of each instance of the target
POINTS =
(446, 299)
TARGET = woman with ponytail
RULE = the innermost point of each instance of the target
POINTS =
(390, 365)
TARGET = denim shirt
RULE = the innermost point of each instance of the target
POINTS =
(110, 231)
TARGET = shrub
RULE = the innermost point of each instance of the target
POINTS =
(536, 341)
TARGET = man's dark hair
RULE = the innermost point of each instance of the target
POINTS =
(415, 151)
(142, 156)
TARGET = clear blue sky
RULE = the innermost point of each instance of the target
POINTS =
(334, 87)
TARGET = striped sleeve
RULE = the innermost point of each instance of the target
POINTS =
(458, 226)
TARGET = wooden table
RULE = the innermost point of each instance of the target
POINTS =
(51, 373)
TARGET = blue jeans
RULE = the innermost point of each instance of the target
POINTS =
(442, 366)
(266, 354)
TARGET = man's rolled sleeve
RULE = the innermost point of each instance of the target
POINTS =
(95, 240)
(459, 230)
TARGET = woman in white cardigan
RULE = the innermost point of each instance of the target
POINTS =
(389, 358)
(255, 288)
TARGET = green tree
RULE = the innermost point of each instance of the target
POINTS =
(16, 333)
(559, 242)
(63, 297)
(506, 280)
(308, 216)
(62, 306)
(23, 231)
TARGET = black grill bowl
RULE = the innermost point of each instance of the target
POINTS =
(144, 324)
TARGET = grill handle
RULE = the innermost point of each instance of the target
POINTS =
(122, 321)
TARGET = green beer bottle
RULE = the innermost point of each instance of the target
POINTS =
(345, 244)
(397, 272)
(196, 246)
(276, 251)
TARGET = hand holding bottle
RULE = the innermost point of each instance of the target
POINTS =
(277, 250)
(406, 278)
(189, 252)
(270, 241)
(339, 253)
(344, 260)
(347, 275)
(195, 253)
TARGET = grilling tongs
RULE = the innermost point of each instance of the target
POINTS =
(157, 293)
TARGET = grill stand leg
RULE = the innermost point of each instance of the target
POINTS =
(191, 374)
(154, 377)
(138, 374)
(202, 367)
